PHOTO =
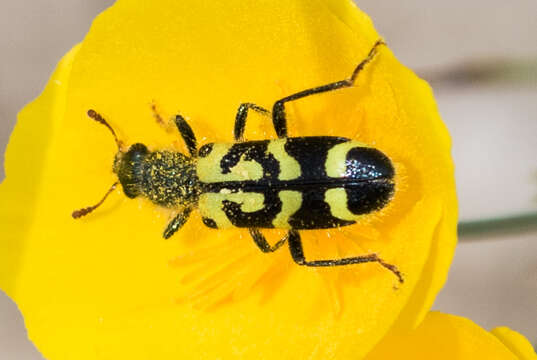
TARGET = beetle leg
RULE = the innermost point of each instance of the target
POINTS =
(297, 252)
(263, 244)
(242, 114)
(178, 221)
(184, 129)
(160, 120)
(278, 110)
(188, 135)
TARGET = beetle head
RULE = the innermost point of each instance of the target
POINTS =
(128, 167)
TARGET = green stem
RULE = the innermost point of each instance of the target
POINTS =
(513, 224)
(515, 71)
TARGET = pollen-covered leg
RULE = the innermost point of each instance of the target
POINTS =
(242, 114)
(278, 110)
(178, 221)
(297, 252)
(188, 135)
(160, 120)
(262, 242)
(184, 129)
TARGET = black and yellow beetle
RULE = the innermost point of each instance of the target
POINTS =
(294, 183)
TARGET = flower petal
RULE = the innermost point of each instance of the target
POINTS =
(25, 162)
(108, 286)
(442, 336)
(516, 342)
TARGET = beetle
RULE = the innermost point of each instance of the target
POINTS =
(293, 183)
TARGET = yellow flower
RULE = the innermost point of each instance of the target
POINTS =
(515, 342)
(441, 336)
(109, 287)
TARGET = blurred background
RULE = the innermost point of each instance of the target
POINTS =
(480, 56)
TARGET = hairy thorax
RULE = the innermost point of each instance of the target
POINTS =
(169, 179)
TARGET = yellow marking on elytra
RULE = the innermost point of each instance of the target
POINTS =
(209, 170)
(211, 205)
(336, 164)
(291, 202)
(289, 167)
(337, 201)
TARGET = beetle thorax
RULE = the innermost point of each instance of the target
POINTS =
(169, 179)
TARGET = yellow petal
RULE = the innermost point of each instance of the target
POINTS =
(516, 342)
(108, 286)
(442, 336)
(24, 166)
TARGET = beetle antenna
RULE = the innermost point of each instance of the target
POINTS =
(98, 117)
(85, 211)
